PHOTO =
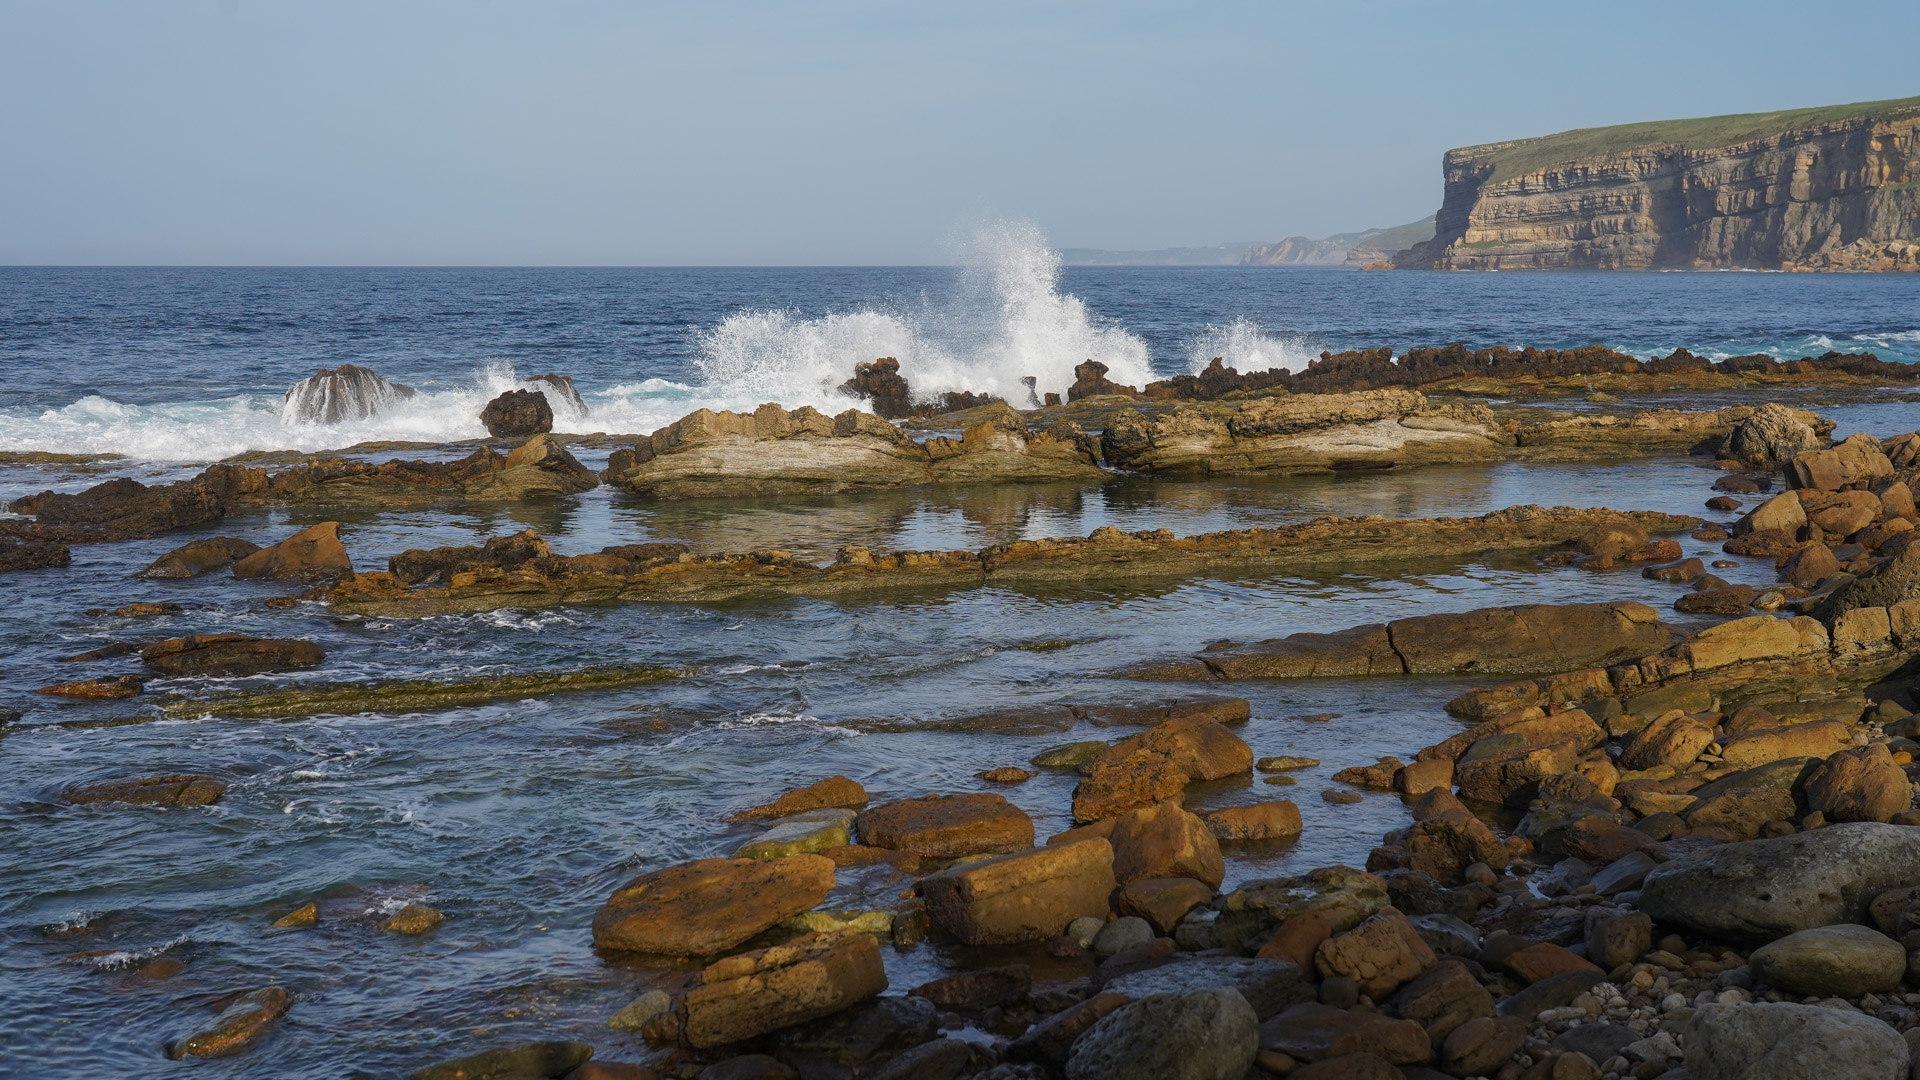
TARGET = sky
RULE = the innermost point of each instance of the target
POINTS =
(727, 132)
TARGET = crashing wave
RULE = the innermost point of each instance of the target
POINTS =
(345, 393)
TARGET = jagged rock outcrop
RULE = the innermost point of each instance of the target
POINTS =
(1809, 189)
(348, 392)
(671, 573)
(125, 509)
(772, 451)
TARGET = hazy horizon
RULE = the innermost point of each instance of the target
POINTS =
(229, 132)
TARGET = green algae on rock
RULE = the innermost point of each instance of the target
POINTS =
(412, 695)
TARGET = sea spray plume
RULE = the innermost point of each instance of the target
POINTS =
(1007, 321)
(1245, 345)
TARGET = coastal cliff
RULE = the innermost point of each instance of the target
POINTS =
(1834, 188)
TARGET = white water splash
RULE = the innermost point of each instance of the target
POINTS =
(1245, 346)
(1008, 321)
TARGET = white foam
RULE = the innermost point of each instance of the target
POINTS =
(1246, 346)
(1007, 321)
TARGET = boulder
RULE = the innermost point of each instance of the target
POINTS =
(835, 792)
(1611, 541)
(1514, 774)
(1784, 1041)
(1051, 1040)
(1381, 954)
(1340, 894)
(1157, 765)
(1859, 785)
(1267, 984)
(1773, 887)
(199, 557)
(1277, 819)
(1885, 585)
(151, 791)
(1314, 1032)
(1771, 437)
(1163, 901)
(1027, 896)
(517, 414)
(1756, 637)
(1618, 938)
(1165, 841)
(705, 907)
(230, 654)
(1202, 1035)
(1810, 566)
(313, 552)
(1831, 961)
(758, 992)
(1675, 740)
(1481, 1045)
(1782, 513)
(947, 826)
(1442, 998)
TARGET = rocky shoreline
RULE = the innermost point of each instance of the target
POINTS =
(1655, 848)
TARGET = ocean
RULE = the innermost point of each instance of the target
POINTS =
(518, 819)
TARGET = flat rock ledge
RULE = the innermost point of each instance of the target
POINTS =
(671, 573)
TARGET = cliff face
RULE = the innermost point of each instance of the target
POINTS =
(1823, 192)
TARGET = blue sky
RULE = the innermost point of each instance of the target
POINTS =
(238, 131)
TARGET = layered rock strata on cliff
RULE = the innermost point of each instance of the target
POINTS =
(478, 581)
(1813, 189)
(772, 451)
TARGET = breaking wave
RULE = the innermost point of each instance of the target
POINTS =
(1007, 321)
(1245, 345)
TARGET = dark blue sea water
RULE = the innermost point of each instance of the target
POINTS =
(185, 364)
(518, 819)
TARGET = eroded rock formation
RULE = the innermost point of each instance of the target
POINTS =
(1810, 189)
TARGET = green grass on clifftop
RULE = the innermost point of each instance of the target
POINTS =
(1704, 133)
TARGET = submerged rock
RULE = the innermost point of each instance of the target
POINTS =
(242, 1025)
(835, 792)
(31, 555)
(411, 695)
(151, 791)
(107, 688)
(230, 654)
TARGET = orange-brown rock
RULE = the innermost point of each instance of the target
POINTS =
(1027, 896)
(107, 688)
(758, 992)
(1512, 775)
(1674, 739)
(313, 552)
(1544, 960)
(1316, 1032)
(1297, 940)
(242, 1025)
(1163, 902)
(947, 826)
(1382, 953)
(1165, 841)
(1156, 765)
(1861, 784)
(705, 907)
(835, 792)
(1276, 819)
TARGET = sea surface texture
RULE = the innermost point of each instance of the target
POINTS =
(517, 819)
